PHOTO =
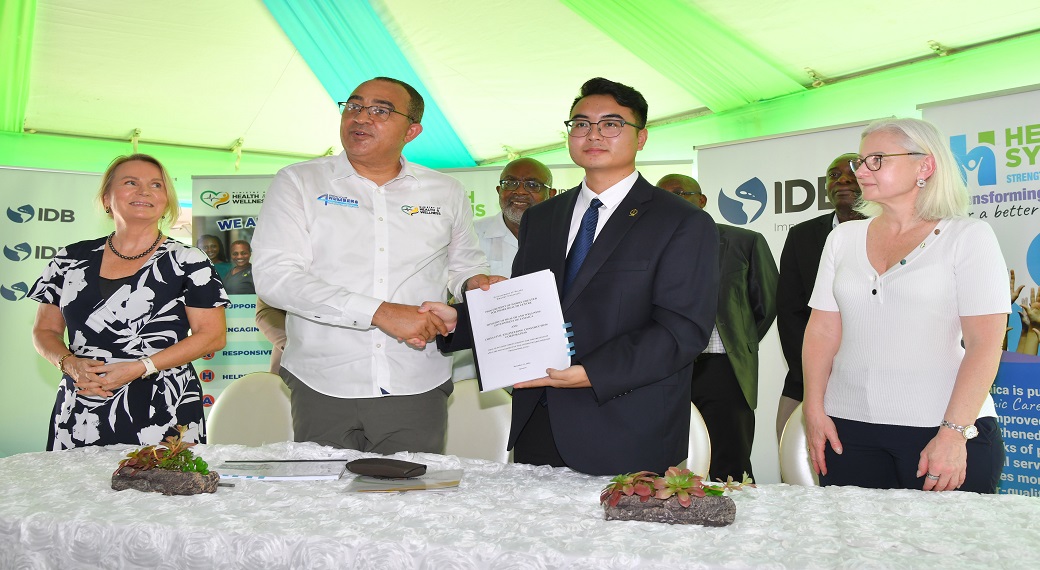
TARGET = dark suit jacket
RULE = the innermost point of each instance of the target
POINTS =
(799, 263)
(747, 302)
(641, 307)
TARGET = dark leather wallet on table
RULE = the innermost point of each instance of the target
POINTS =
(386, 468)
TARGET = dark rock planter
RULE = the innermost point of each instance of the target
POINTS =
(165, 481)
(705, 511)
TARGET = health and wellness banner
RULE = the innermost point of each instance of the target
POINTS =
(43, 211)
(225, 210)
(996, 139)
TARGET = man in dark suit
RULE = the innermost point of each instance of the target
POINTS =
(799, 262)
(641, 303)
(725, 376)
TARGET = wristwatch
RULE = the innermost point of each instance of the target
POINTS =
(149, 367)
(968, 431)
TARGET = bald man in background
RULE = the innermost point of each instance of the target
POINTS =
(724, 384)
(523, 183)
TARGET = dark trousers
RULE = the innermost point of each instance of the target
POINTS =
(384, 425)
(730, 420)
(879, 456)
(535, 444)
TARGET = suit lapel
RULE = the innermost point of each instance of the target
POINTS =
(631, 208)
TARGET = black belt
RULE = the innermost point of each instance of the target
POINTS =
(707, 355)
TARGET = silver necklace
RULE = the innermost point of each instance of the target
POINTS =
(133, 257)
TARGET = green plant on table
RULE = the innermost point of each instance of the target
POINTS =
(173, 454)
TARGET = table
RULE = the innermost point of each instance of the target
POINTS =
(57, 510)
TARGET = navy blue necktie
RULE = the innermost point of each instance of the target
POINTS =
(582, 243)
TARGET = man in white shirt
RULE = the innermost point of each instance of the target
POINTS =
(523, 183)
(349, 245)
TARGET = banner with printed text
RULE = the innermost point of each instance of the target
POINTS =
(43, 211)
(996, 139)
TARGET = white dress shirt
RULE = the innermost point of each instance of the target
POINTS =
(498, 243)
(611, 198)
(331, 246)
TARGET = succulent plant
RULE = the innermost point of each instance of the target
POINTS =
(641, 484)
(173, 454)
(682, 484)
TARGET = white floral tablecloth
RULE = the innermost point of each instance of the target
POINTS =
(57, 510)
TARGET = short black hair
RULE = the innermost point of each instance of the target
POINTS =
(416, 106)
(623, 94)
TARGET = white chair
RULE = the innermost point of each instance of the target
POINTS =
(699, 459)
(795, 466)
(252, 410)
(478, 422)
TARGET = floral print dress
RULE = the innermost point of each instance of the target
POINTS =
(142, 317)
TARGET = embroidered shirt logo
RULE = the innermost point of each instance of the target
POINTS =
(334, 200)
(428, 210)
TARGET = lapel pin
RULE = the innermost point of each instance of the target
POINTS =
(633, 213)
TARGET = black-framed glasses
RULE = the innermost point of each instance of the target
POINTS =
(609, 128)
(529, 186)
(873, 161)
(377, 112)
(684, 193)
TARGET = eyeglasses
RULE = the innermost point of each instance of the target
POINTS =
(873, 161)
(609, 128)
(377, 112)
(684, 193)
(529, 186)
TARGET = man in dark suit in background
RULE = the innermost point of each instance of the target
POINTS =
(799, 263)
(725, 375)
(637, 271)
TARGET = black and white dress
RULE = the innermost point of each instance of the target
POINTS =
(142, 316)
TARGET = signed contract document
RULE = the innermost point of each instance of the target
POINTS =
(518, 330)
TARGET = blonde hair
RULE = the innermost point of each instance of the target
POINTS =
(944, 194)
(173, 207)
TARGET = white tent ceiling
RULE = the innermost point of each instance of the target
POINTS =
(208, 74)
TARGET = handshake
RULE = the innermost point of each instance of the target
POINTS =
(418, 325)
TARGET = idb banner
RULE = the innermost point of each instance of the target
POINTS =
(996, 139)
(43, 211)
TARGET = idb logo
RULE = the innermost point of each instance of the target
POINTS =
(207, 375)
(23, 251)
(15, 292)
(25, 213)
(751, 194)
(22, 214)
(19, 252)
(981, 159)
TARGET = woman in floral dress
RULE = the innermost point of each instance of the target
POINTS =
(128, 302)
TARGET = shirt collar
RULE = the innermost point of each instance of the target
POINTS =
(612, 196)
(342, 168)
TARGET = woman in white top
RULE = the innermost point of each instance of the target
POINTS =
(893, 398)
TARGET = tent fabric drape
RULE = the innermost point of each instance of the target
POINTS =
(345, 43)
(17, 21)
(688, 46)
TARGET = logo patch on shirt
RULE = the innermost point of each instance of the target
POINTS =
(335, 200)
(428, 210)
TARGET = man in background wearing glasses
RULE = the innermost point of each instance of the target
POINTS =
(523, 183)
(349, 245)
(799, 263)
(725, 375)
(637, 271)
